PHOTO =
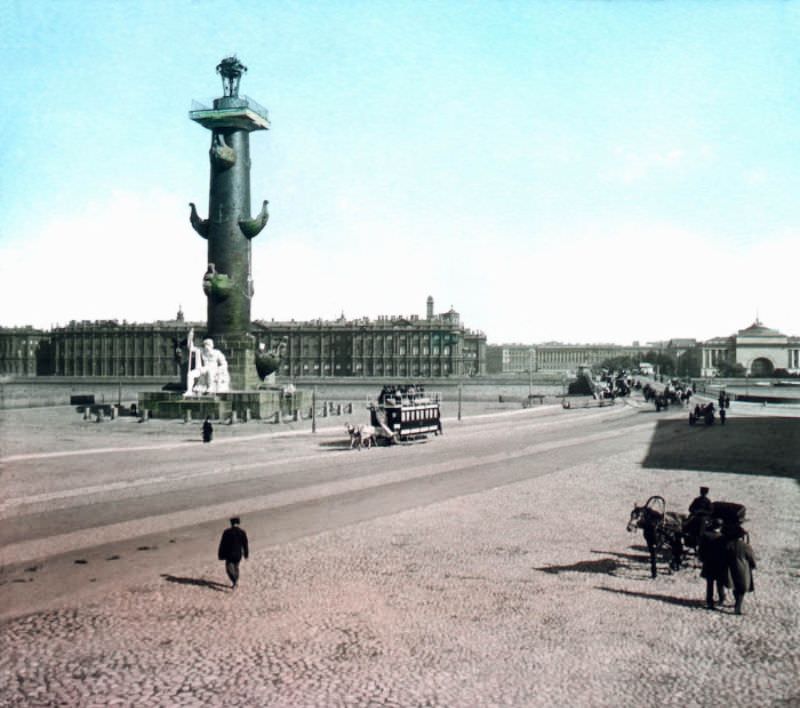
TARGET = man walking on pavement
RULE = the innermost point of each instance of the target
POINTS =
(232, 548)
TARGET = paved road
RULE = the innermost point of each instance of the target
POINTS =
(528, 593)
(123, 514)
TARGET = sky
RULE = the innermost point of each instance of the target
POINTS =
(555, 171)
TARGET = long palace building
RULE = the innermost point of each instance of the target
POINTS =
(388, 347)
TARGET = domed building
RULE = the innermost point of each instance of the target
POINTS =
(759, 349)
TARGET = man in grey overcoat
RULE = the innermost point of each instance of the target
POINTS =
(740, 561)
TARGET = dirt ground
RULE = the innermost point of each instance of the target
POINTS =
(530, 594)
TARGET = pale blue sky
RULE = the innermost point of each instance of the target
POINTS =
(576, 171)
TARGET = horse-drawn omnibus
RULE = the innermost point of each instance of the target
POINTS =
(403, 412)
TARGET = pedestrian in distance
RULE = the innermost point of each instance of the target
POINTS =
(233, 547)
(711, 551)
(722, 415)
(741, 562)
(208, 430)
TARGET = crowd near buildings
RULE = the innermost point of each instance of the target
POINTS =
(389, 347)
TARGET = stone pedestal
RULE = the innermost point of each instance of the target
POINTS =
(240, 351)
(261, 404)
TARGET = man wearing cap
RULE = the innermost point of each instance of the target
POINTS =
(711, 551)
(699, 511)
(701, 504)
(232, 547)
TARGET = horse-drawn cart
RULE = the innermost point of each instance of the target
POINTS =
(674, 532)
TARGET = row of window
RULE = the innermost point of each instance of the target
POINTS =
(417, 414)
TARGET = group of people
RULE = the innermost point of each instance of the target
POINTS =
(672, 393)
(725, 553)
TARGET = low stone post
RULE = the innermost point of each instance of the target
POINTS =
(248, 416)
(349, 408)
(114, 412)
(277, 416)
(87, 413)
(338, 409)
(325, 410)
(187, 416)
(296, 416)
(234, 417)
(99, 417)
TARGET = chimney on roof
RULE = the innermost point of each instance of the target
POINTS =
(429, 311)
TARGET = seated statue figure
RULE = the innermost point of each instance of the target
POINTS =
(210, 373)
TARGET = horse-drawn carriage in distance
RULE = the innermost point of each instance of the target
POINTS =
(704, 413)
(403, 412)
(675, 532)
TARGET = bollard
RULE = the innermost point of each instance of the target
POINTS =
(338, 409)
(325, 411)
(234, 417)
(114, 412)
(87, 414)
(296, 417)
(248, 416)
(349, 409)
(187, 416)
(276, 418)
(99, 417)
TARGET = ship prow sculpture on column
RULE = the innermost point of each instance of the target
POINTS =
(222, 375)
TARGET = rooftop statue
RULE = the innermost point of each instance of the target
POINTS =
(231, 70)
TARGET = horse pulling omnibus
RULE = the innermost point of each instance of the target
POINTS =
(405, 412)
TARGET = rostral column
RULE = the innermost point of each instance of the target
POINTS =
(228, 282)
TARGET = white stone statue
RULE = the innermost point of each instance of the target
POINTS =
(208, 370)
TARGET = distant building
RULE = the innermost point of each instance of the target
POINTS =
(388, 347)
(757, 348)
(510, 358)
(112, 348)
(24, 351)
(571, 357)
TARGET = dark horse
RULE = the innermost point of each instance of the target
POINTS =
(662, 529)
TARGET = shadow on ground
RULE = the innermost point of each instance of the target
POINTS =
(609, 566)
(757, 446)
(198, 582)
(335, 445)
(637, 558)
(669, 599)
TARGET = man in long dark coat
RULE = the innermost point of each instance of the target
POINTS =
(711, 551)
(740, 561)
(208, 430)
(232, 548)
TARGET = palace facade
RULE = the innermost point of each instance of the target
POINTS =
(387, 347)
